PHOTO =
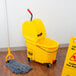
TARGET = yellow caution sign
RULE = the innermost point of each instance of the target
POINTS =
(69, 68)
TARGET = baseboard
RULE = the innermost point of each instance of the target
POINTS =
(13, 49)
(24, 48)
(63, 45)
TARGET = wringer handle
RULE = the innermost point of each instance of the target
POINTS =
(30, 14)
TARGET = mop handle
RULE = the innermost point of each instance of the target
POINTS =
(9, 55)
(30, 14)
(7, 24)
(9, 50)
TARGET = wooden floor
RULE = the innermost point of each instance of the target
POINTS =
(39, 69)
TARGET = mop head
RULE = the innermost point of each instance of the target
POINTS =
(17, 67)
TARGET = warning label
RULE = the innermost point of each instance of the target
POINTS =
(73, 57)
(72, 60)
(69, 68)
(71, 65)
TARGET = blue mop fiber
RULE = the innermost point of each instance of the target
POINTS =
(17, 67)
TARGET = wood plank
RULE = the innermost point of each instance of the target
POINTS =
(39, 69)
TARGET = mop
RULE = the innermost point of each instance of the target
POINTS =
(10, 62)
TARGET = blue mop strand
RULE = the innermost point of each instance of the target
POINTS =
(17, 67)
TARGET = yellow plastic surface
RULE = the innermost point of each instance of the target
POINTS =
(39, 48)
(47, 43)
(41, 54)
(9, 55)
(31, 29)
(69, 68)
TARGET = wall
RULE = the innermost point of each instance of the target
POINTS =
(58, 16)
(3, 25)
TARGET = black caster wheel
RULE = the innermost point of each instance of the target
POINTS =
(48, 65)
(54, 61)
(29, 60)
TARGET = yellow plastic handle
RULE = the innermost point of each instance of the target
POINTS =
(9, 55)
(73, 39)
(8, 50)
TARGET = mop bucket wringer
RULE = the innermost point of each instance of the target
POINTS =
(39, 48)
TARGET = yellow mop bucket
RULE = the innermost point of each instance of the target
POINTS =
(39, 48)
